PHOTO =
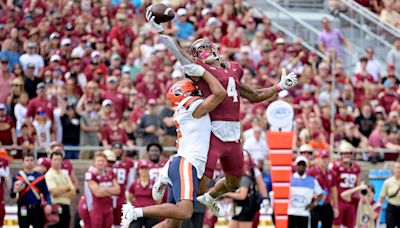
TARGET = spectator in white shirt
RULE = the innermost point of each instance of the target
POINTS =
(373, 65)
(31, 57)
(20, 110)
(256, 146)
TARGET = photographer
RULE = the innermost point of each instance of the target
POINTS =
(391, 192)
(367, 212)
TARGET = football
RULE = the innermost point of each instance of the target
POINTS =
(161, 12)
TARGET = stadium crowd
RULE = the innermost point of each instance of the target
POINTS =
(91, 73)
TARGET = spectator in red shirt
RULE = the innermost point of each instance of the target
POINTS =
(37, 8)
(121, 35)
(39, 102)
(379, 139)
(140, 194)
(388, 96)
(230, 43)
(268, 34)
(149, 88)
(114, 133)
(8, 134)
(119, 100)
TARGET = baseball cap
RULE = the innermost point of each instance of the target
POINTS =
(126, 69)
(66, 41)
(106, 102)
(94, 54)
(112, 79)
(31, 45)
(31, 65)
(306, 148)
(2, 106)
(110, 155)
(245, 49)
(55, 58)
(300, 159)
(2, 25)
(181, 12)
(205, 11)
(322, 154)
(41, 86)
(142, 163)
(280, 41)
(115, 56)
(212, 21)
(160, 47)
(54, 35)
(117, 145)
(380, 109)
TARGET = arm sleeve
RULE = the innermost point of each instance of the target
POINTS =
(50, 181)
(245, 182)
(12, 193)
(45, 191)
(384, 190)
(317, 188)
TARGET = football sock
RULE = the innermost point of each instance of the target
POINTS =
(139, 212)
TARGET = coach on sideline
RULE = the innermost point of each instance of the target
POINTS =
(61, 189)
(391, 192)
(303, 189)
(28, 185)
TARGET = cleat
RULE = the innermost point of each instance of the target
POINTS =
(128, 215)
(212, 205)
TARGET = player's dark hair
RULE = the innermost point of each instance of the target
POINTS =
(56, 153)
(154, 144)
(28, 154)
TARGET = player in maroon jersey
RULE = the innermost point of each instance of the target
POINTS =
(99, 187)
(124, 173)
(347, 174)
(225, 140)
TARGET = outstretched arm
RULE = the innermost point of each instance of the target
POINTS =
(258, 95)
(169, 42)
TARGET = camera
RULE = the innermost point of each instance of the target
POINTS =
(364, 192)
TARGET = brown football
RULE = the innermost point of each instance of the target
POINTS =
(161, 12)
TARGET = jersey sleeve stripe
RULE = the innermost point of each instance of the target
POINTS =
(190, 101)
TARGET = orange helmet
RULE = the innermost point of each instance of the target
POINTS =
(180, 90)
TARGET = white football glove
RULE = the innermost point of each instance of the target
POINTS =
(264, 206)
(150, 18)
(193, 70)
(287, 81)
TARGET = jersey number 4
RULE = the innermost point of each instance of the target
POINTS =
(231, 89)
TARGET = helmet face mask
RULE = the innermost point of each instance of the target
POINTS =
(205, 51)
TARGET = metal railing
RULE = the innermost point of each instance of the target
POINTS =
(365, 17)
(173, 149)
(303, 4)
(304, 30)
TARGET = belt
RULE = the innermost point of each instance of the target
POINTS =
(31, 206)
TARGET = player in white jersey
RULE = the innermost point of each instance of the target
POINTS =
(186, 168)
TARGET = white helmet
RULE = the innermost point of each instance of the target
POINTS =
(110, 155)
(204, 43)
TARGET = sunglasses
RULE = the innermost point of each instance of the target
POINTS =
(16, 84)
(4, 62)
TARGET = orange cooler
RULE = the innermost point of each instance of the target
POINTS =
(281, 190)
(281, 173)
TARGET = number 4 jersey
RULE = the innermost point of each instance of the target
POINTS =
(346, 178)
(225, 118)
